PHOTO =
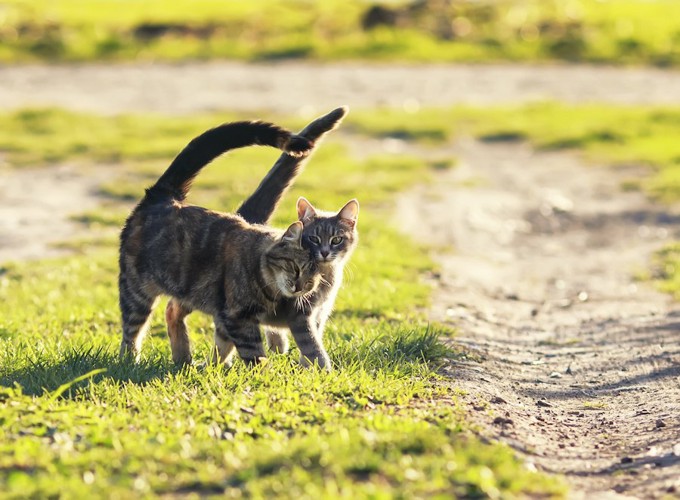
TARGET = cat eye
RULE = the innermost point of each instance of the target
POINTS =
(336, 240)
(315, 239)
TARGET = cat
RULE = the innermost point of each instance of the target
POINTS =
(321, 229)
(331, 237)
(240, 273)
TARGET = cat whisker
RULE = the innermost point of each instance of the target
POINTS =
(349, 273)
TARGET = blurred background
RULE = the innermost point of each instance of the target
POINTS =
(597, 31)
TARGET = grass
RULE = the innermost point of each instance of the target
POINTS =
(665, 272)
(77, 422)
(618, 32)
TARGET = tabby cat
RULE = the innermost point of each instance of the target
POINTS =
(331, 237)
(240, 273)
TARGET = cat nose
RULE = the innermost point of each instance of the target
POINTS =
(298, 287)
(324, 253)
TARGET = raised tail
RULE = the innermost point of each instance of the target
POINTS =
(260, 205)
(176, 180)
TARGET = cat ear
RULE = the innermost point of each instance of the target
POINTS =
(294, 232)
(349, 213)
(305, 210)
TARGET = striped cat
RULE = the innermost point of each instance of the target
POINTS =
(330, 236)
(240, 273)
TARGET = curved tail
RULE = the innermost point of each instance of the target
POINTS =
(176, 180)
(260, 205)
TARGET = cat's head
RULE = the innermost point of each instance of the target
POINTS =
(293, 272)
(330, 237)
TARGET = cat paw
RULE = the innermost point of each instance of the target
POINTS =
(322, 362)
(182, 361)
(259, 361)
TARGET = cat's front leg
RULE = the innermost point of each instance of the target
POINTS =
(243, 334)
(309, 342)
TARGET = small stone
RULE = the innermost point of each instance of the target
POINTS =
(626, 460)
(660, 423)
(542, 403)
(676, 450)
(555, 375)
(502, 421)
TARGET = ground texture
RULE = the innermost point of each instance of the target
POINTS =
(571, 360)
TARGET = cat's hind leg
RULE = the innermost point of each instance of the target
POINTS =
(175, 314)
(225, 348)
(277, 340)
(135, 308)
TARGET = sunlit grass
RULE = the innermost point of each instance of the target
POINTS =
(619, 32)
(665, 271)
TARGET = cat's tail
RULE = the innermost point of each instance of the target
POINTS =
(176, 180)
(260, 205)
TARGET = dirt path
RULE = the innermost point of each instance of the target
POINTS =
(35, 206)
(577, 364)
(313, 88)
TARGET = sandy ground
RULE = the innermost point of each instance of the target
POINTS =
(573, 362)
(36, 205)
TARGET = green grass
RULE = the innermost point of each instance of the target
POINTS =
(619, 32)
(77, 422)
(665, 272)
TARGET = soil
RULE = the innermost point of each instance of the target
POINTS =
(36, 205)
(570, 359)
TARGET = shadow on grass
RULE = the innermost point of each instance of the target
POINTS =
(42, 376)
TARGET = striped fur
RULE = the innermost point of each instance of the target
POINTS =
(213, 262)
(331, 238)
